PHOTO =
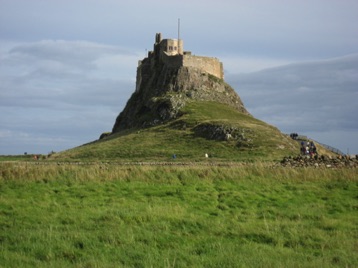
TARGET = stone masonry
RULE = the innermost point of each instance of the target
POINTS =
(171, 53)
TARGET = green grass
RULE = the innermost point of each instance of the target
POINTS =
(178, 137)
(148, 216)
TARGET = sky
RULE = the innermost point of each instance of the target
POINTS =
(67, 68)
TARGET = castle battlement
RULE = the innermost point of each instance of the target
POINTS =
(171, 52)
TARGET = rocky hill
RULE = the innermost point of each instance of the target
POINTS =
(167, 80)
(183, 107)
(165, 91)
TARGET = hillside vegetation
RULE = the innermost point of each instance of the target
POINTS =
(252, 139)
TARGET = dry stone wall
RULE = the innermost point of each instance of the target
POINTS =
(320, 162)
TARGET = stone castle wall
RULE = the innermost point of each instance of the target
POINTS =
(210, 65)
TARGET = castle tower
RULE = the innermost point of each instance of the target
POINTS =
(171, 47)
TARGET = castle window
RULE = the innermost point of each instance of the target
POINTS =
(170, 48)
(175, 48)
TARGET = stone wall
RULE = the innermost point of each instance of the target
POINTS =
(210, 65)
(320, 161)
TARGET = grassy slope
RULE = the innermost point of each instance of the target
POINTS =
(161, 142)
(115, 216)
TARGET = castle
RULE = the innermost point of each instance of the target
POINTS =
(171, 53)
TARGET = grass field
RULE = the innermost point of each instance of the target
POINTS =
(169, 216)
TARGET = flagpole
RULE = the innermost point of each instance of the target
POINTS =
(178, 35)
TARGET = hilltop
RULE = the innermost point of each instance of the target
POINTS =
(183, 108)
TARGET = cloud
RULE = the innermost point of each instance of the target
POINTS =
(313, 97)
(59, 93)
(48, 73)
(238, 63)
(63, 57)
(274, 28)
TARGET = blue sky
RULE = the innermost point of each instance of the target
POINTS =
(67, 68)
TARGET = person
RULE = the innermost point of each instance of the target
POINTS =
(303, 148)
(314, 149)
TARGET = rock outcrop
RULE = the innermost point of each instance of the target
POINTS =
(168, 79)
(164, 91)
